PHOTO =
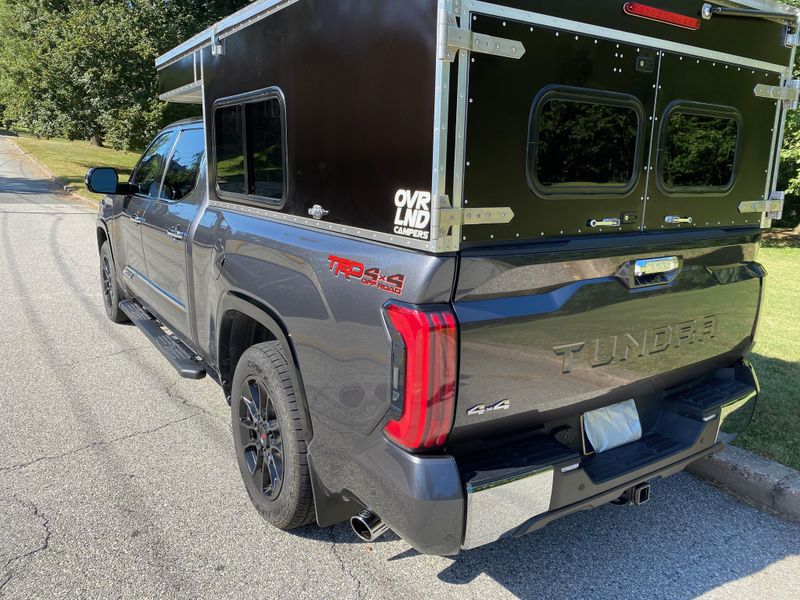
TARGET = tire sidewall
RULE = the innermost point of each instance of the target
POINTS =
(112, 311)
(280, 511)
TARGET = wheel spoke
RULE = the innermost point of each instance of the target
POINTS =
(251, 396)
(275, 469)
(252, 457)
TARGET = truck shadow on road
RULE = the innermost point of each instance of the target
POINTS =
(688, 540)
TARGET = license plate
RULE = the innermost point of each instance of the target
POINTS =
(610, 427)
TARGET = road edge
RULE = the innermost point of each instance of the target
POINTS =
(758, 480)
(65, 189)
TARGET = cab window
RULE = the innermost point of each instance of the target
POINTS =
(150, 169)
(184, 165)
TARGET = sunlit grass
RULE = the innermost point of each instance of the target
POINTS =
(775, 432)
(69, 161)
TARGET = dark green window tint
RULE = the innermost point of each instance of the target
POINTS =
(699, 151)
(229, 141)
(585, 147)
(265, 148)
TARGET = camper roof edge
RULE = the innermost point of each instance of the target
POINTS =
(263, 8)
(246, 16)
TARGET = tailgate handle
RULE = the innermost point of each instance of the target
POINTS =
(649, 272)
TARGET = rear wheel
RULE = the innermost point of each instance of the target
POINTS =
(112, 294)
(270, 436)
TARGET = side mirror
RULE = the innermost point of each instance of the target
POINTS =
(105, 180)
(102, 180)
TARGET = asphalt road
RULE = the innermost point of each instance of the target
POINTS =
(117, 478)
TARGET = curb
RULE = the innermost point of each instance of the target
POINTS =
(758, 480)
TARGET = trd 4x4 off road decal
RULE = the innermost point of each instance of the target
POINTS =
(413, 216)
(371, 277)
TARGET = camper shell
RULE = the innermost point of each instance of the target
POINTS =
(414, 111)
(468, 233)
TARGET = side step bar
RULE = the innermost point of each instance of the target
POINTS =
(183, 360)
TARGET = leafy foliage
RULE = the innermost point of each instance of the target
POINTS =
(84, 69)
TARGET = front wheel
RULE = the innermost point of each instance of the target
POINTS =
(270, 434)
(112, 294)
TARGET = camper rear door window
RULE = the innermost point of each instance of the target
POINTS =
(250, 150)
(699, 144)
(584, 142)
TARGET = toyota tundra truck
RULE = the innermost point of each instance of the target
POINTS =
(461, 268)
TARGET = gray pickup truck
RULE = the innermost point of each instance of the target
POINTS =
(460, 268)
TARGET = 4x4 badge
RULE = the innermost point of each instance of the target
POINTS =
(482, 409)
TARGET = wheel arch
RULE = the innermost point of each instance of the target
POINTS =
(244, 321)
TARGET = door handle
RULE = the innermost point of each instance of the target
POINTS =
(677, 220)
(607, 222)
(176, 234)
(138, 219)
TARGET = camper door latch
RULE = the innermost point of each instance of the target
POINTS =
(449, 217)
(789, 93)
(773, 207)
(464, 39)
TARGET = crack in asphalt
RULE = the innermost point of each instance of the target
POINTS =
(348, 571)
(42, 547)
(186, 402)
(25, 465)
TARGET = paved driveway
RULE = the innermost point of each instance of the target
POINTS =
(117, 478)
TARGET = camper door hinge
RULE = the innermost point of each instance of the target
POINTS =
(450, 217)
(772, 207)
(789, 93)
(464, 39)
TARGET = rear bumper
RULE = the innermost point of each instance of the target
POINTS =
(442, 504)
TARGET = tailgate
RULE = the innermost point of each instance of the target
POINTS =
(544, 338)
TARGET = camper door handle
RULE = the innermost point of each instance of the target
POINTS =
(607, 222)
(676, 220)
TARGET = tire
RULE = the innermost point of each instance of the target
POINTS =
(112, 294)
(270, 435)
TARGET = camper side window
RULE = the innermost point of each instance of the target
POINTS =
(698, 149)
(250, 150)
(584, 142)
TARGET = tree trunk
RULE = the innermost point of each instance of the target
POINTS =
(796, 230)
(96, 140)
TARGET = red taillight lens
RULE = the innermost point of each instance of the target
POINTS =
(662, 16)
(424, 375)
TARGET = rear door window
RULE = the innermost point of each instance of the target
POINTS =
(700, 147)
(184, 165)
(583, 141)
(150, 170)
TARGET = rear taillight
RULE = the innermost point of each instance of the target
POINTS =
(424, 354)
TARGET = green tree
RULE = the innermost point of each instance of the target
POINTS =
(84, 69)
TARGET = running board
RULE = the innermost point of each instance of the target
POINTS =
(183, 360)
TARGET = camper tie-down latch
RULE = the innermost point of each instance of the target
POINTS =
(789, 93)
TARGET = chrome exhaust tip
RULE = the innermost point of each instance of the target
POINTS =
(368, 526)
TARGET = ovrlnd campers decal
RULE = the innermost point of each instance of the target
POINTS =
(413, 215)
(371, 277)
(615, 349)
